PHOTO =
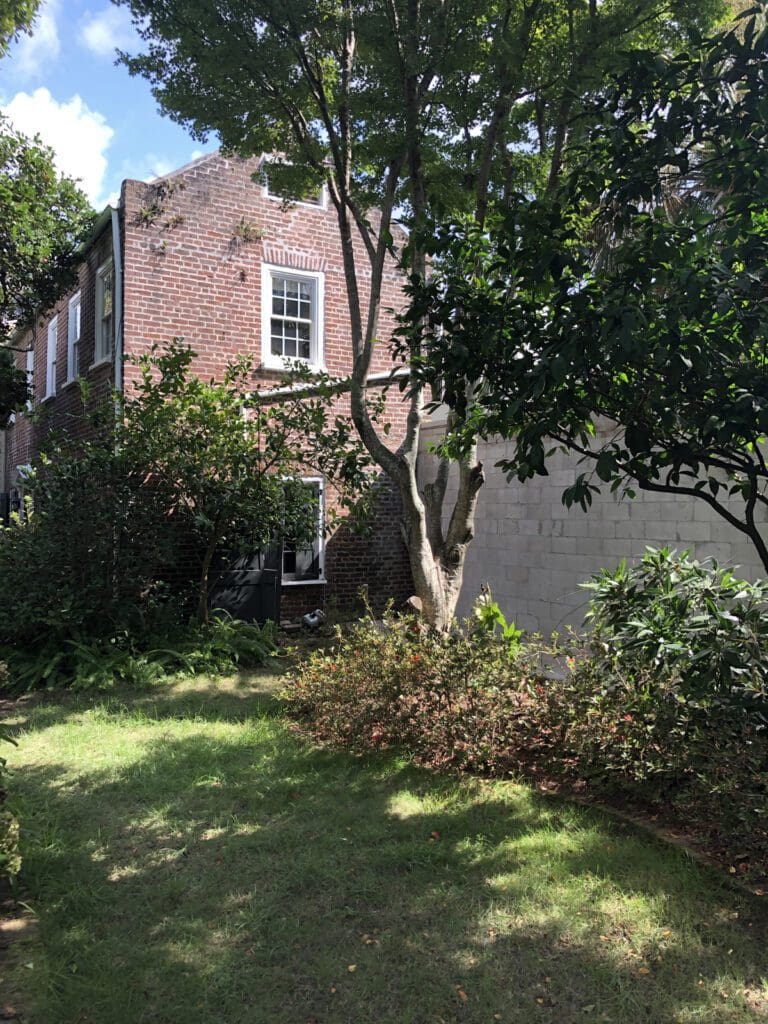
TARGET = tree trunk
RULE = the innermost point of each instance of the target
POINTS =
(202, 601)
(437, 557)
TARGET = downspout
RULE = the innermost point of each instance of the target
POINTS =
(117, 263)
(117, 266)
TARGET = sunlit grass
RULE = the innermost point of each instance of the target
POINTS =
(191, 859)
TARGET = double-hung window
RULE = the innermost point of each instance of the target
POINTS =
(50, 359)
(303, 563)
(292, 316)
(105, 311)
(73, 338)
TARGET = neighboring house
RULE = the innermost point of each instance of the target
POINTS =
(209, 255)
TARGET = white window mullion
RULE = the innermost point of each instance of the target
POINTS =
(30, 376)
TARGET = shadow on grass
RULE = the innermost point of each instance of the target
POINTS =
(236, 874)
(233, 698)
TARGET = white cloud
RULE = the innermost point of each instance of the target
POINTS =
(33, 54)
(107, 31)
(157, 167)
(78, 136)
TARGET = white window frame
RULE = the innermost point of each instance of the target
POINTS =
(320, 537)
(74, 333)
(52, 343)
(316, 353)
(30, 367)
(102, 352)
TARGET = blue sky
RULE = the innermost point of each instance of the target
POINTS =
(103, 125)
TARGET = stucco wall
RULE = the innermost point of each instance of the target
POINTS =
(534, 552)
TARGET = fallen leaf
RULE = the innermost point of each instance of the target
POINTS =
(643, 970)
(462, 994)
(352, 968)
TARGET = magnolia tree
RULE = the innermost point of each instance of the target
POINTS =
(407, 107)
(623, 315)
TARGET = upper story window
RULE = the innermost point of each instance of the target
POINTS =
(292, 316)
(105, 311)
(50, 359)
(73, 338)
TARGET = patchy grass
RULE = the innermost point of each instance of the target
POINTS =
(191, 859)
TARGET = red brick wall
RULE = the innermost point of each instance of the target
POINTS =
(193, 257)
(193, 247)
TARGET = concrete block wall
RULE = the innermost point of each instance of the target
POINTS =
(534, 552)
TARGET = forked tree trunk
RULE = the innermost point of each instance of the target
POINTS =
(436, 558)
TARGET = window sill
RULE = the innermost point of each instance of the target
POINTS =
(105, 361)
(70, 383)
(279, 368)
(47, 399)
(305, 583)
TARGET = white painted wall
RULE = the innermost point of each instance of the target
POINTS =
(534, 552)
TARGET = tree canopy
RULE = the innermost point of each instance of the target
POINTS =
(622, 316)
(16, 17)
(416, 108)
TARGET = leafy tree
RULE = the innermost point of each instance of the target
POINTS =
(194, 461)
(16, 17)
(397, 105)
(623, 316)
(44, 218)
(228, 463)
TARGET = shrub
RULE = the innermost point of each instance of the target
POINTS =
(224, 644)
(458, 699)
(691, 623)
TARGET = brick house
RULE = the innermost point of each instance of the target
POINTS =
(210, 255)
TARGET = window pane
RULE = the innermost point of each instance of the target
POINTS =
(303, 563)
(107, 299)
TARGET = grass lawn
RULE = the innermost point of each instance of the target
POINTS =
(190, 860)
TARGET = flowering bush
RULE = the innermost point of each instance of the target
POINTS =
(459, 699)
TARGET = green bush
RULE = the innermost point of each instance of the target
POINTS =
(222, 645)
(692, 623)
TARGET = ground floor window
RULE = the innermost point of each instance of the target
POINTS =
(304, 563)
